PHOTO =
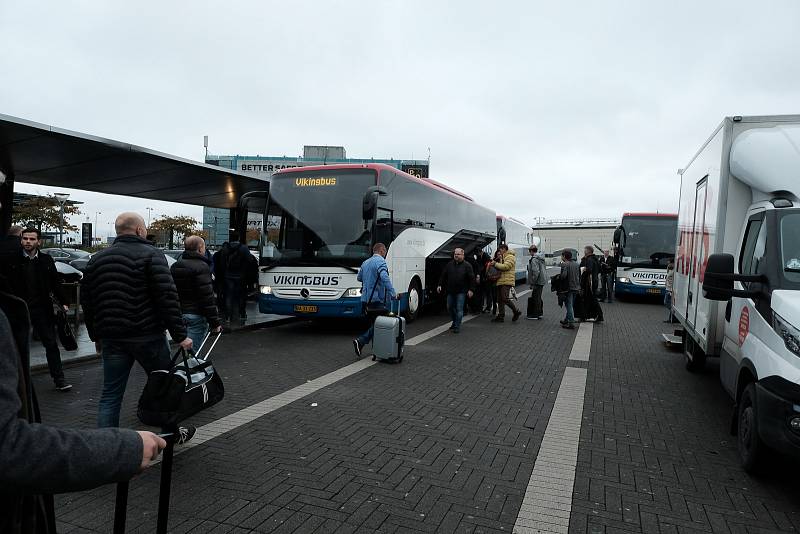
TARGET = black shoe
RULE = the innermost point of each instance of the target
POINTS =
(456, 330)
(598, 320)
(452, 327)
(357, 347)
(563, 321)
(516, 315)
(498, 319)
(184, 434)
(568, 326)
(61, 385)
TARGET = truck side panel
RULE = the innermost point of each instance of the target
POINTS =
(701, 182)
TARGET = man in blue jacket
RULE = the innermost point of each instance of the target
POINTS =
(376, 290)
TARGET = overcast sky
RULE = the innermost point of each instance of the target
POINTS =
(536, 109)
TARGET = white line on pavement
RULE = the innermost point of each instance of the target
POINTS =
(251, 413)
(583, 343)
(547, 503)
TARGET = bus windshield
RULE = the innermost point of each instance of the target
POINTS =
(315, 218)
(648, 241)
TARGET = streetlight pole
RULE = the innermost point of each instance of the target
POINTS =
(61, 198)
(149, 211)
(95, 239)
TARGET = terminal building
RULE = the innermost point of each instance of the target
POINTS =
(216, 221)
(555, 235)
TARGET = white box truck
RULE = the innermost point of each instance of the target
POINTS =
(737, 275)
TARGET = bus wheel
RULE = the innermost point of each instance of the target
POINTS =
(414, 301)
(751, 448)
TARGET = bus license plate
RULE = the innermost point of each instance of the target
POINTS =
(299, 308)
(654, 291)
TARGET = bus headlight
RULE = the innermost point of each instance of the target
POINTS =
(790, 334)
(266, 290)
(624, 280)
(353, 292)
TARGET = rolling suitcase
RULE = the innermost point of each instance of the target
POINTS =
(389, 336)
(121, 505)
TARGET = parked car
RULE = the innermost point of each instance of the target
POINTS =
(175, 254)
(67, 273)
(65, 255)
(81, 263)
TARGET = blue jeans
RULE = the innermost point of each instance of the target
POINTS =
(196, 329)
(455, 303)
(570, 305)
(118, 357)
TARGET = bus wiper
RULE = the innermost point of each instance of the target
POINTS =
(791, 270)
(339, 264)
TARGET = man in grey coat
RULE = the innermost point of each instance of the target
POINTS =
(37, 460)
(570, 277)
(537, 278)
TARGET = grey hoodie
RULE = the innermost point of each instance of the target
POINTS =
(537, 272)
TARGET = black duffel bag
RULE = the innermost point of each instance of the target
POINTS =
(65, 334)
(190, 385)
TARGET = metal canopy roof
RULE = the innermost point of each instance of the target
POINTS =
(47, 155)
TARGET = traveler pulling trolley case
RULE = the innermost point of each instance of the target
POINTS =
(121, 505)
(389, 336)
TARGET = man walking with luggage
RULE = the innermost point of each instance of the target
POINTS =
(192, 275)
(38, 460)
(537, 278)
(590, 274)
(508, 279)
(35, 280)
(608, 269)
(458, 281)
(129, 299)
(376, 289)
(570, 279)
(235, 269)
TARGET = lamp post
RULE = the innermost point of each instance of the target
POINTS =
(61, 198)
(149, 212)
(95, 238)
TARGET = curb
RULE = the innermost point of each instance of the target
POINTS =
(78, 360)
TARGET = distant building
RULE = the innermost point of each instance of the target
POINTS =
(556, 235)
(218, 221)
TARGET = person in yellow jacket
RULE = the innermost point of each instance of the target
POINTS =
(507, 280)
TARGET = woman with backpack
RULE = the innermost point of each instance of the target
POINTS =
(491, 278)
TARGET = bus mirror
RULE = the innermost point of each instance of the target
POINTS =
(718, 277)
(370, 201)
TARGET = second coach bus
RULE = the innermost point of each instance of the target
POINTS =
(645, 245)
(321, 222)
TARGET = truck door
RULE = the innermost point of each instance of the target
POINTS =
(740, 312)
(697, 250)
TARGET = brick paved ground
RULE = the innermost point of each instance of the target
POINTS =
(446, 441)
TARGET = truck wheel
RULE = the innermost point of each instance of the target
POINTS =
(695, 358)
(751, 448)
(414, 301)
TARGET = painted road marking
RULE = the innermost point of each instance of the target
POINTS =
(583, 343)
(548, 499)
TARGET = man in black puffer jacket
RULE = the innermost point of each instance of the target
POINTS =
(192, 275)
(129, 299)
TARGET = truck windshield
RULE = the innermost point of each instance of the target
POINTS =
(648, 241)
(315, 218)
(790, 246)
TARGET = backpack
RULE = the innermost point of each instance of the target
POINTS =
(492, 273)
(236, 262)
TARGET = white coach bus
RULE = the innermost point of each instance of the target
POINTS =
(321, 222)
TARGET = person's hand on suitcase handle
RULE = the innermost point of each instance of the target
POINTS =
(186, 343)
(151, 447)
